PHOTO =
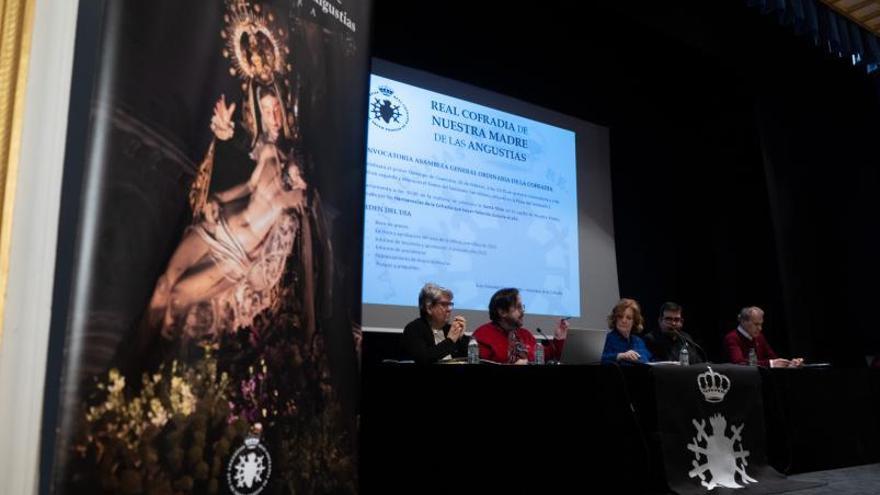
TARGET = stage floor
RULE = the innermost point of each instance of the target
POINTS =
(856, 480)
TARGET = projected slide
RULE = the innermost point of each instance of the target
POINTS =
(469, 197)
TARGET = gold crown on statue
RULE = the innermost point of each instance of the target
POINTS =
(256, 47)
(714, 386)
(256, 44)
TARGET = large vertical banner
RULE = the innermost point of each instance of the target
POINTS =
(212, 331)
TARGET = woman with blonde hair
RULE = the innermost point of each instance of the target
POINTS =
(621, 343)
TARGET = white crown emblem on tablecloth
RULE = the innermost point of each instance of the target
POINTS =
(714, 386)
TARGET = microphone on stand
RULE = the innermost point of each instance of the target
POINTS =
(688, 341)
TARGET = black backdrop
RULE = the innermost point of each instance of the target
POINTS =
(742, 155)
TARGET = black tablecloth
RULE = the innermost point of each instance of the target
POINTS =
(464, 429)
(822, 418)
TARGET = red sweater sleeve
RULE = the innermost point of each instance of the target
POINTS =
(768, 353)
(553, 349)
(735, 353)
(737, 348)
(493, 346)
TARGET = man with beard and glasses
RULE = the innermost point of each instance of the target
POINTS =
(504, 339)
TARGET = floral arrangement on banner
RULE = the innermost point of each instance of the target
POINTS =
(169, 434)
(174, 431)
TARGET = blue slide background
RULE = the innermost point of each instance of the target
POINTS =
(468, 197)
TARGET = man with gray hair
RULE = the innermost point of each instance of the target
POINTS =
(432, 337)
(748, 336)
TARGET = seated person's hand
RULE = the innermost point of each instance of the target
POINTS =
(780, 363)
(796, 363)
(522, 361)
(461, 322)
(628, 356)
(561, 329)
(456, 330)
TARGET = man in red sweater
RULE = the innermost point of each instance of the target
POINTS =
(503, 340)
(748, 335)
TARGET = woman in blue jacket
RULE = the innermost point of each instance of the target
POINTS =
(621, 343)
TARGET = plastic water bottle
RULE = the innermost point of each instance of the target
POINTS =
(753, 357)
(473, 356)
(684, 357)
(539, 352)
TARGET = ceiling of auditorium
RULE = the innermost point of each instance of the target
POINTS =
(864, 12)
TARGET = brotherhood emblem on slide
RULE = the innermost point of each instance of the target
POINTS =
(249, 467)
(718, 459)
(387, 111)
